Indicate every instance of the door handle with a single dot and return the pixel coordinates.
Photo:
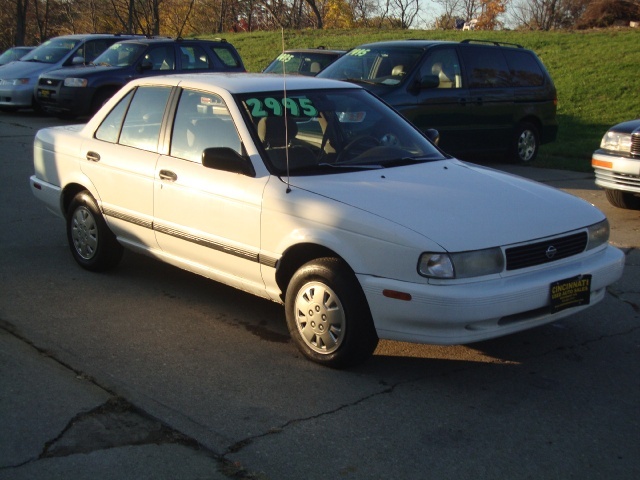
(93, 156)
(168, 175)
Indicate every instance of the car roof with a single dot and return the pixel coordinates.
(83, 36)
(151, 40)
(238, 83)
(314, 50)
(407, 43)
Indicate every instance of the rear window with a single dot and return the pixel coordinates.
(525, 69)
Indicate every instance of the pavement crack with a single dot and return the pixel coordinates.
(238, 446)
(116, 423)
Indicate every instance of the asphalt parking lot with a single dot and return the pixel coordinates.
(150, 372)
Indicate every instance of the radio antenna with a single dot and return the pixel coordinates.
(284, 104)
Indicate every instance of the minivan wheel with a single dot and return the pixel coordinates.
(526, 143)
(328, 316)
(92, 244)
(621, 199)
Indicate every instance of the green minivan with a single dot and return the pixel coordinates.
(484, 98)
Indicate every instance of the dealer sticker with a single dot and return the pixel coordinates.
(572, 292)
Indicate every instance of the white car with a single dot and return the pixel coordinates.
(617, 164)
(315, 194)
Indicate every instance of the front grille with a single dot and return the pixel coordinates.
(635, 144)
(546, 251)
(49, 82)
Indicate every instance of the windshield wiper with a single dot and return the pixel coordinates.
(361, 80)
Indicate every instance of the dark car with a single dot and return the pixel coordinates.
(483, 97)
(79, 91)
(14, 53)
(304, 61)
(18, 79)
(617, 164)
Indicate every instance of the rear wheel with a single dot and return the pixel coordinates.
(92, 244)
(328, 316)
(621, 199)
(526, 143)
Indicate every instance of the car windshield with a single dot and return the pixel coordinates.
(304, 63)
(384, 66)
(120, 55)
(51, 51)
(333, 131)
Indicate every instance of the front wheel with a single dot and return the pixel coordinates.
(526, 143)
(92, 244)
(328, 316)
(621, 199)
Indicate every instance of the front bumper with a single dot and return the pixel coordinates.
(471, 312)
(16, 96)
(73, 101)
(616, 172)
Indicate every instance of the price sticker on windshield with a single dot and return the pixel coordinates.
(275, 107)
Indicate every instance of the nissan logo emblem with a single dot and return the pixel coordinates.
(551, 252)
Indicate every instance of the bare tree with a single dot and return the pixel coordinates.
(405, 11)
(547, 14)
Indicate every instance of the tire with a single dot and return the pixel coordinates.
(526, 143)
(621, 199)
(93, 246)
(328, 316)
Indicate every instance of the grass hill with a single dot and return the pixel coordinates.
(596, 73)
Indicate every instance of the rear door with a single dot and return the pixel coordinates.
(121, 159)
(490, 99)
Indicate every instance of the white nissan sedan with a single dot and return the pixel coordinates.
(315, 194)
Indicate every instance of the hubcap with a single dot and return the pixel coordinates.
(320, 317)
(84, 233)
(526, 145)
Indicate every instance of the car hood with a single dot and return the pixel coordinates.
(458, 205)
(80, 71)
(630, 126)
(20, 69)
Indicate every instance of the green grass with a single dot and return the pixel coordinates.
(596, 73)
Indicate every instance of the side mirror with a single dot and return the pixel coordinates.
(430, 81)
(433, 135)
(226, 159)
(77, 61)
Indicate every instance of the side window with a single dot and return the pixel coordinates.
(486, 67)
(194, 58)
(202, 121)
(444, 64)
(109, 129)
(226, 56)
(141, 127)
(525, 69)
(94, 48)
(161, 58)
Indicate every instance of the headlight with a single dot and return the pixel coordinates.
(461, 265)
(14, 81)
(75, 82)
(598, 234)
(619, 142)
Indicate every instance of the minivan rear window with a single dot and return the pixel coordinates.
(525, 69)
